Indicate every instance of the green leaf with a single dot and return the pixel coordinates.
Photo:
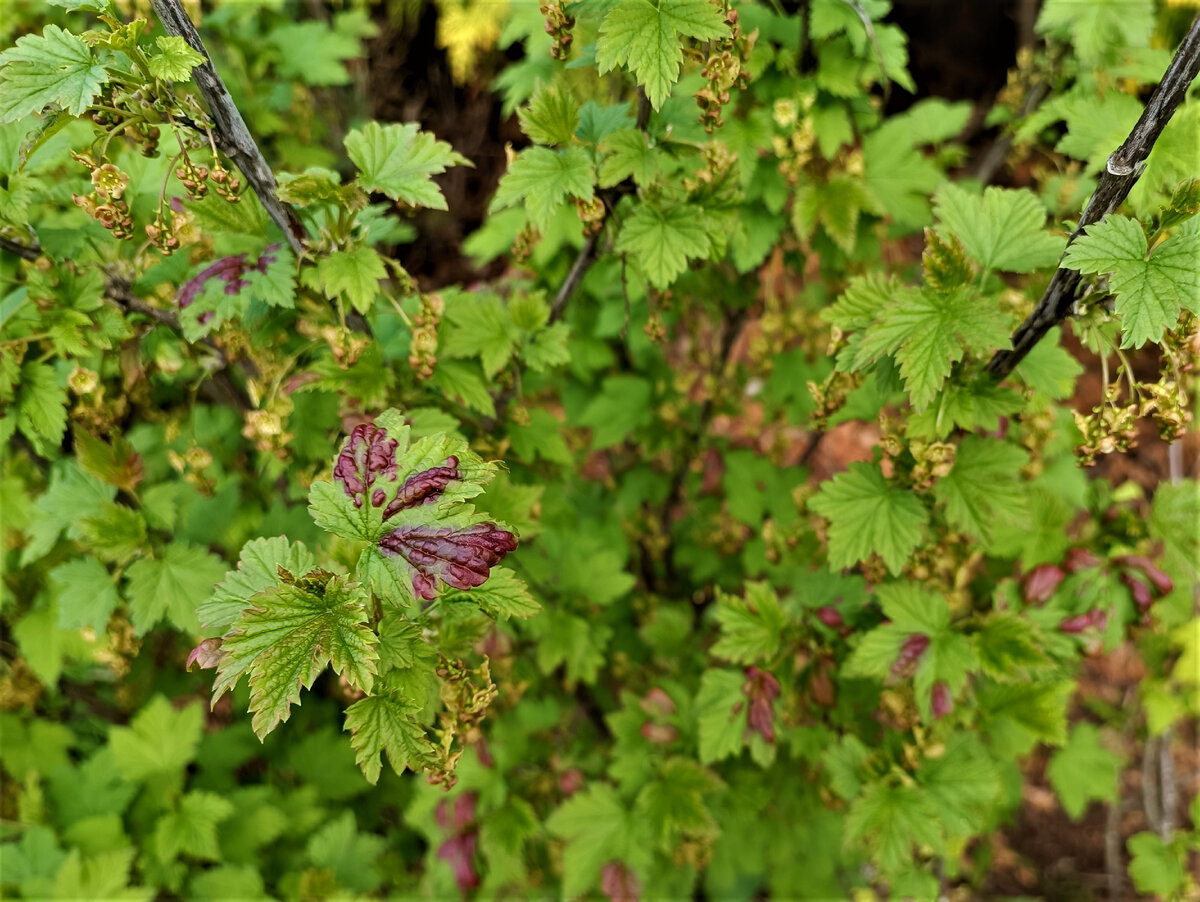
(1099, 26)
(462, 383)
(544, 179)
(171, 586)
(388, 724)
(898, 176)
(1016, 717)
(662, 240)
(158, 741)
(983, 486)
(1156, 869)
(86, 594)
(43, 407)
(288, 637)
(929, 332)
(598, 828)
(191, 829)
(353, 273)
(547, 349)
(504, 595)
(1150, 289)
(963, 782)
(889, 820)
(1049, 369)
(1009, 647)
(313, 53)
(55, 68)
(869, 515)
(481, 328)
(1004, 229)
(257, 570)
(628, 152)
(399, 160)
(751, 628)
(622, 405)
(350, 855)
(574, 641)
(644, 37)
(1173, 518)
(673, 803)
(1083, 771)
(722, 714)
(551, 117)
(174, 60)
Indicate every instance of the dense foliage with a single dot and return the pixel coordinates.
(531, 583)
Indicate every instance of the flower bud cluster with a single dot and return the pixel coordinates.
(422, 353)
(591, 214)
(527, 239)
(105, 203)
(794, 149)
(724, 69)
(193, 465)
(558, 26)
(1108, 428)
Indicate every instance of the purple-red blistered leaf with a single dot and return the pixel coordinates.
(460, 557)
(619, 883)
(761, 689)
(570, 781)
(1162, 583)
(457, 816)
(230, 270)
(1080, 559)
(1139, 590)
(1097, 618)
(459, 850)
(906, 662)
(424, 487)
(941, 701)
(1041, 582)
(830, 616)
(369, 455)
(206, 654)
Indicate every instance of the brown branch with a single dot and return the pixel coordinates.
(587, 256)
(120, 292)
(236, 141)
(1120, 174)
(24, 251)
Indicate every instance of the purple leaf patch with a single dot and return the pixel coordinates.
(368, 455)
(230, 270)
(460, 557)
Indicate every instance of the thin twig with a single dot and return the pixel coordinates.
(1150, 802)
(1120, 175)
(1113, 865)
(24, 251)
(644, 109)
(579, 269)
(238, 143)
(119, 291)
(991, 161)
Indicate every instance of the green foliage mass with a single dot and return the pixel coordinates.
(686, 546)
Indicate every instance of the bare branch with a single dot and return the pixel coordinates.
(1122, 172)
(24, 251)
(236, 140)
